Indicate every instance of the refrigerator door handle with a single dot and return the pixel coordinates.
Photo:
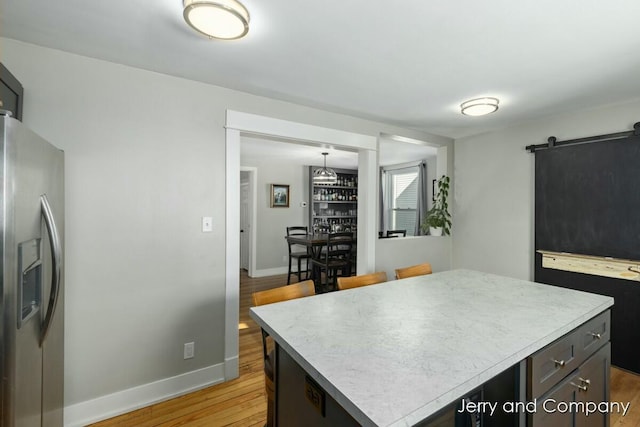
(56, 261)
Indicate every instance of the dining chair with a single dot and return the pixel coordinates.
(396, 233)
(414, 270)
(295, 253)
(362, 280)
(269, 296)
(336, 260)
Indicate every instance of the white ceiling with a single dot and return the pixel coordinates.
(408, 63)
(260, 150)
(391, 152)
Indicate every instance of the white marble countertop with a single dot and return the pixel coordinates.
(395, 353)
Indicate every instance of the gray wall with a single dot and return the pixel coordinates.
(431, 175)
(494, 187)
(144, 162)
(272, 222)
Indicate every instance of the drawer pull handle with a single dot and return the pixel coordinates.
(596, 336)
(560, 363)
(583, 381)
(580, 387)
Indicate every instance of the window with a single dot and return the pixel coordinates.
(400, 195)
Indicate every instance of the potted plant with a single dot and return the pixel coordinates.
(438, 219)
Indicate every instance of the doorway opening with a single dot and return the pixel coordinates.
(240, 124)
(285, 163)
(248, 188)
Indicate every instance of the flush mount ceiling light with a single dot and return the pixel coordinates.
(217, 19)
(479, 106)
(324, 176)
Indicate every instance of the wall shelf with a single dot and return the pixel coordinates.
(334, 207)
(589, 264)
(336, 201)
(335, 216)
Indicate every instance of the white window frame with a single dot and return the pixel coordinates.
(388, 197)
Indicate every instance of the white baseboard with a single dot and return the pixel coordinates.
(232, 368)
(270, 272)
(275, 271)
(111, 405)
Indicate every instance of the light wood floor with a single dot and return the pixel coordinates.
(625, 387)
(242, 402)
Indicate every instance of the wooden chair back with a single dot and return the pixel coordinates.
(298, 230)
(284, 293)
(362, 280)
(340, 244)
(414, 270)
(335, 259)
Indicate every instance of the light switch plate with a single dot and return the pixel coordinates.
(207, 224)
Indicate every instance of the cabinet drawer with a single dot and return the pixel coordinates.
(588, 383)
(552, 363)
(549, 365)
(593, 334)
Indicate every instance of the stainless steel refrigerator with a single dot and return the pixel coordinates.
(32, 286)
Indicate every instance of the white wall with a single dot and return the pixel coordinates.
(494, 187)
(406, 251)
(144, 162)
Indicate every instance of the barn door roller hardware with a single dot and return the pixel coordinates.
(553, 142)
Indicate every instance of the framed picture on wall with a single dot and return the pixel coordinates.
(279, 196)
(433, 190)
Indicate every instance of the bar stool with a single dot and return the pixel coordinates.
(282, 293)
(362, 280)
(297, 254)
(414, 270)
(335, 261)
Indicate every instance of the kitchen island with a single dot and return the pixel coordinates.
(401, 352)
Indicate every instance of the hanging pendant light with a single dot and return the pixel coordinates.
(324, 175)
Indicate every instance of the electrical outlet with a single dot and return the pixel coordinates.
(189, 350)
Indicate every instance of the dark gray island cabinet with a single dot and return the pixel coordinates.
(572, 371)
(454, 348)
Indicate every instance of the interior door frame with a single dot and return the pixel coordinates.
(240, 123)
(253, 217)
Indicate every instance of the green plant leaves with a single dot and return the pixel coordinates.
(438, 215)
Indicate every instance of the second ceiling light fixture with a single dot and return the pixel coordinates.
(479, 106)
